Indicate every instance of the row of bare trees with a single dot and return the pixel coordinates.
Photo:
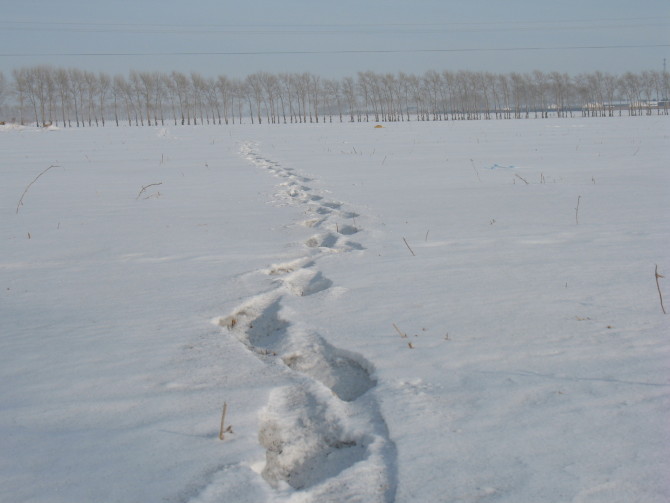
(72, 97)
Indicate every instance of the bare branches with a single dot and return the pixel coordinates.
(26, 190)
(64, 96)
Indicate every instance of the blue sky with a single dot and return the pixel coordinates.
(335, 38)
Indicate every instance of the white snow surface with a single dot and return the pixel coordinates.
(424, 312)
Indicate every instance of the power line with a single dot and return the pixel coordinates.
(330, 31)
(347, 28)
(348, 25)
(317, 52)
(325, 31)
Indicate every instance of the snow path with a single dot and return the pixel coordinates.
(324, 434)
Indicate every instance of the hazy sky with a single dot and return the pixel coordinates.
(335, 38)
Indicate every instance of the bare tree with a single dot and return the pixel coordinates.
(160, 95)
(78, 90)
(40, 87)
(240, 96)
(283, 97)
(124, 90)
(254, 87)
(144, 86)
(433, 83)
(117, 95)
(416, 100)
(26, 87)
(91, 91)
(647, 90)
(609, 88)
(541, 93)
(558, 84)
(49, 76)
(63, 90)
(167, 96)
(404, 94)
(20, 88)
(4, 91)
(349, 92)
(315, 93)
(630, 86)
(181, 86)
(390, 97)
(224, 86)
(331, 88)
(104, 84)
(364, 89)
(660, 86)
(199, 93)
(288, 95)
(301, 86)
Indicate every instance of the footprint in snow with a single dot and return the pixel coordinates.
(322, 241)
(342, 372)
(305, 282)
(347, 230)
(304, 443)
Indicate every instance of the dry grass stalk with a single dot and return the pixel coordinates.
(408, 247)
(26, 190)
(475, 168)
(229, 322)
(522, 178)
(223, 428)
(146, 187)
(660, 296)
(577, 210)
(402, 334)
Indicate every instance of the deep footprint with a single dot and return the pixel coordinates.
(259, 328)
(333, 368)
(334, 206)
(327, 241)
(347, 230)
(287, 267)
(306, 282)
(304, 444)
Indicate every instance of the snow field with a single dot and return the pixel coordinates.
(534, 366)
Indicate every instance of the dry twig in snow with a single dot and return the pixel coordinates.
(223, 429)
(408, 247)
(660, 296)
(146, 187)
(24, 192)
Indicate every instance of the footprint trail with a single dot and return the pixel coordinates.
(324, 434)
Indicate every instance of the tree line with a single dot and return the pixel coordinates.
(71, 97)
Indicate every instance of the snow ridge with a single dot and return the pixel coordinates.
(324, 435)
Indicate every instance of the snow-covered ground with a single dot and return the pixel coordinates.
(452, 311)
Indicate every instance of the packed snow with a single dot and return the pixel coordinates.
(428, 311)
